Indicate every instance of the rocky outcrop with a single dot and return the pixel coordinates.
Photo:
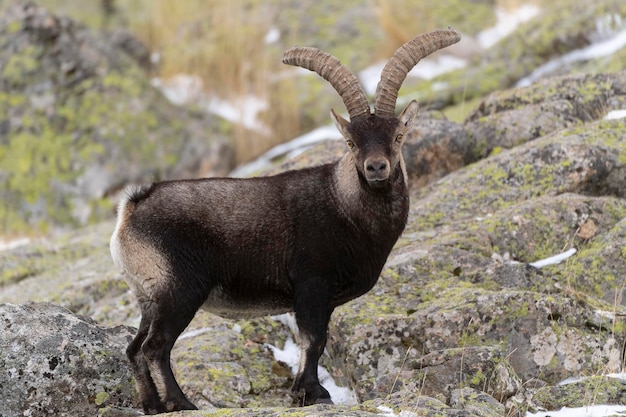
(462, 322)
(56, 363)
(510, 118)
(79, 119)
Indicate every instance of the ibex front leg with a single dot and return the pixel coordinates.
(312, 316)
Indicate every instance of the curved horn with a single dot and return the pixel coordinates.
(337, 74)
(403, 61)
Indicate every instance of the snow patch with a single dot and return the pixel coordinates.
(288, 150)
(243, 110)
(427, 69)
(507, 22)
(193, 333)
(431, 68)
(272, 36)
(12, 244)
(290, 355)
(553, 260)
(180, 89)
(615, 114)
(184, 89)
(388, 412)
(589, 411)
(605, 42)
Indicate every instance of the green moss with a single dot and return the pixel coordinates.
(101, 398)
(44, 154)
(21, 63)
(592, 390)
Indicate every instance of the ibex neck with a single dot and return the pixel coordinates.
(366, 207)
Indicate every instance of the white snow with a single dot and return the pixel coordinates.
(194, 333)
(288, 149)
(589, 411)
(244, 110)
(370, 76)
(553, 260)
(290, 355)
(184, 89)
(14, 243)
(615, 114)
(606, 42)
(428, 68)
(180, 89)
(508, 21)
(431, 68)
(272, 36)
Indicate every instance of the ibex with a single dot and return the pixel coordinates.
(305, 241)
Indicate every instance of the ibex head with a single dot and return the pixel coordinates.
(375, 139)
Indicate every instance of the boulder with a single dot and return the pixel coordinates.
(56, 363)
(79, 119)
(509, 118)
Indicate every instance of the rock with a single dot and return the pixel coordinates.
(476, 403)
(433, 149)
(512, 117)
(57, 363)
(66, 87)
(561, 28)
(74, 271)
(579, 393)
(462, 322)
(224, 364)
(583, 160)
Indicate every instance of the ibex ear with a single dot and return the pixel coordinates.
(409, 114)
(340, 123)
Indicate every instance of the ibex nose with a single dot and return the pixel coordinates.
(376, 170)
(376, 167)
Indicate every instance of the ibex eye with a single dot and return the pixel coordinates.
(399, 137)
(350, 144)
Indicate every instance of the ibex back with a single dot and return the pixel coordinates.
(305, 241)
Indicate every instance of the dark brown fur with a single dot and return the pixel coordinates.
(304, 241)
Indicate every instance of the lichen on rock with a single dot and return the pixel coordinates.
(74, 107)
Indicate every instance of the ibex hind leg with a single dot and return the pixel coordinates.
(146, 390)
(165, 322)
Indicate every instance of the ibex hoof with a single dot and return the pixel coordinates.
(324, 401)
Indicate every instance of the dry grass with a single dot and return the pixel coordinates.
(223, 43)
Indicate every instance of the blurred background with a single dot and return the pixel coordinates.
(97, 94)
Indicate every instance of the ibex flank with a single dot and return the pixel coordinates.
(304, 241)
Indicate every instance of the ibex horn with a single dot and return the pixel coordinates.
(337, 74)
(403, 61)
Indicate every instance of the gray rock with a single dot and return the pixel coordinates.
(476, 403)
(458, 314)
(433, 149)
(57, 363)
(506, 119)
(578, 393)
(79, 119)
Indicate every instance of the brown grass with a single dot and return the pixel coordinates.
(223, 43)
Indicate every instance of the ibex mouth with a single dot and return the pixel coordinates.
(377, 182)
